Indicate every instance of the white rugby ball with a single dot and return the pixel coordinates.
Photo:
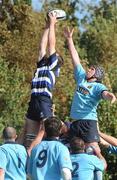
(60, 14)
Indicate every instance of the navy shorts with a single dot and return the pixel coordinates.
(85, 129)
(40, 107)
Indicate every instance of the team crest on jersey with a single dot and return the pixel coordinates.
(82, 90)
(89, 87)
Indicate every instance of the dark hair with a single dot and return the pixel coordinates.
(77, 145)
(52, 126)
(9, 133)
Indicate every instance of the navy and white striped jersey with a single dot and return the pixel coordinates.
(44, 77)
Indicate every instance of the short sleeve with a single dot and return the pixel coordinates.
(100, 88)
(64, 158)
(79, 73)
(52, 61)
(3, 159)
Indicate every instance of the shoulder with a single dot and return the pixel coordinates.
(100, 87)
(79, 70)
(61, 146)
(4, 147)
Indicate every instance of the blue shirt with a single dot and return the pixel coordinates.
(44, 77)
(47, 159)
(84, 166)
(13, 158)
(86, 97)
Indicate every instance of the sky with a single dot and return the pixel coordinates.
(37, 4)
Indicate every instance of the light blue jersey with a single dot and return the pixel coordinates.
(13, 158)
(84, 166)
(112, 149)
(86, 97)
(47, 159)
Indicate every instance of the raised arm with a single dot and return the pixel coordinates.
(44, 41)
(51, 35)
(109, 139)
(99, 155)
(74, 54)
(109, 96)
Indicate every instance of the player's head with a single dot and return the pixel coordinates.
(95, 71)
(65, 127)
(9, 133)
(52, 126)
(77, 145)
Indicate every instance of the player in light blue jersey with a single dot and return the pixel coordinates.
(89, 91)
(84, 165)
(50, 160)
(13, 157)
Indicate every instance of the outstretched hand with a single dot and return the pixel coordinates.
(52, 18)
(113, 98)
(68, 32)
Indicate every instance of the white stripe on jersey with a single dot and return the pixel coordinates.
(53, 64)
(40, 90)
(53, 76)
(40, 79)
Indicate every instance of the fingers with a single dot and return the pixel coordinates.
(50, 14)
(68, 32)
(113, 100)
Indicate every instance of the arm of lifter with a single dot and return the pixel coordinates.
(99, 155)
(2, 174)
(109, 139)
(66, 174)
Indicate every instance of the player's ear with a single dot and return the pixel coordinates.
(16, 136)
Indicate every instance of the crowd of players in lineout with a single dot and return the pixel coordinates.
(59, 150)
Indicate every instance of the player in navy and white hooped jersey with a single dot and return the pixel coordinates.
(48, 68)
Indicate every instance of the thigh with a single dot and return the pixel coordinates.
(34, 109)
(46, 107)
(85, 129)
(31, 131)
(32, 126)
(90, 132)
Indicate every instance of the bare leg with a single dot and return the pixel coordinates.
(38, 138)
(32, 128)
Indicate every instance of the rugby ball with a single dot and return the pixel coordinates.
(60, 14)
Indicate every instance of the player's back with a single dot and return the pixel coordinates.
(47, 159)
(13, 158)
(84, 166)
